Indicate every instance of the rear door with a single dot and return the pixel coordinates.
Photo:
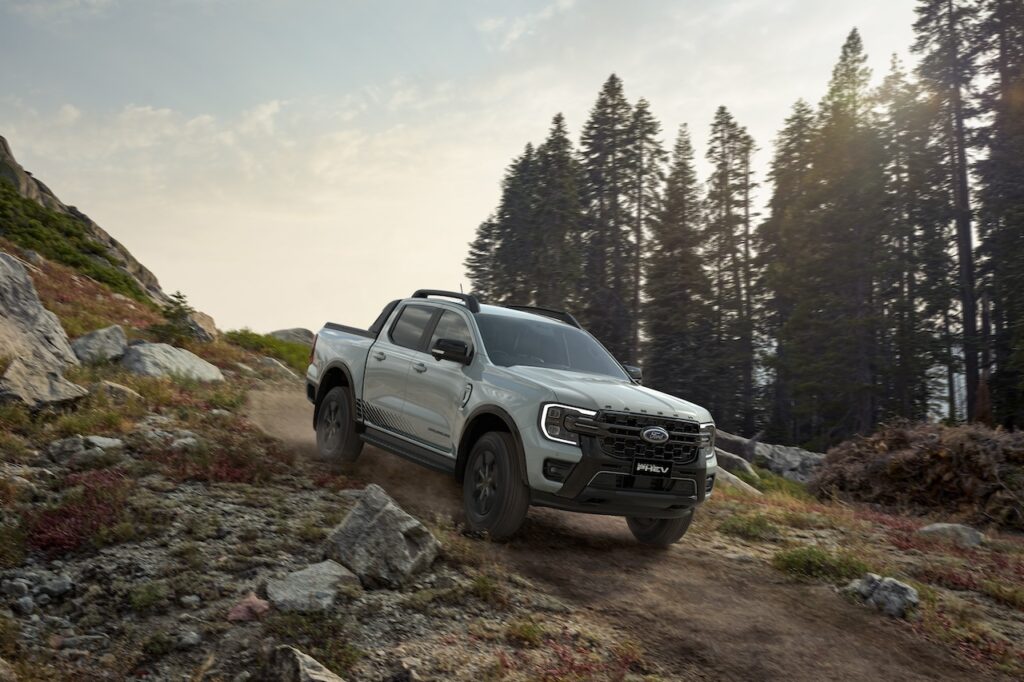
(436, 388)
(388, 366)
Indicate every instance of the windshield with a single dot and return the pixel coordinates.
(519, 341)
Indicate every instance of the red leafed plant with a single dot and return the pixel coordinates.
(94, 500)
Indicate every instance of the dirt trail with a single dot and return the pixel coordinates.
(698, 614)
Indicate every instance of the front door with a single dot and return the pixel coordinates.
(388, 366)
(436, 387)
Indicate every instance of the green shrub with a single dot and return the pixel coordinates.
(176, 329)
(324, 636)
(767, 482)
(295, 355)
(524, 632)
(814, 563)
(750, 527)
(12, 545)
(10, 633)
(148, 596)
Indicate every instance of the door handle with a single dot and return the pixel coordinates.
(380, 355)
(420, 367)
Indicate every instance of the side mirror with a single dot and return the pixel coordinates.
(451, 349)
(635, 373)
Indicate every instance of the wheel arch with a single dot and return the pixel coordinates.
(485, 419)
(335, 375)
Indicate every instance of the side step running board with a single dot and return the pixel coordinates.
(409, 451)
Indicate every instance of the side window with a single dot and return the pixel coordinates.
(452, 326)
(408, 328)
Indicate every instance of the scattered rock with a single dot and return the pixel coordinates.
(84, 642)
(118, 394)
(288, 664)
(33, 345)
(958, 534)
(888, 595)
(58, 587)
(295, 335)
(311, 589)
(104, 443)
(380, 542)
(188, 443)
(7, 672)
(61, 451)
(250, 607)
(102, 345)
(163, 360)
(733, 463)
(25, 605)
(188, 639)
(190, 601)
(723, 477)
(14, 588)
(93, 458)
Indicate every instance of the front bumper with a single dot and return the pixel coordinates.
(602, 484)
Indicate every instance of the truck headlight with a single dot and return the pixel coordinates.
(707, 440)
(556, 422)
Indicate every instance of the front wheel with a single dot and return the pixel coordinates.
(336, 436)
(659, 532)
(494, 495)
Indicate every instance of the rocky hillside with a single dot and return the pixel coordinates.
(63, 233)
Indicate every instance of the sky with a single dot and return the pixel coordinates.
(285, 163)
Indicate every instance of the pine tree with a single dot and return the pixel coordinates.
(778, 255)
(913, 288)
(677, 315)
(559, 218)
(604, 151)
(647, 174)
(947, 68)
(728, 245)
(480, 263)
(830, 332)
(1001, 224)
(517, 237)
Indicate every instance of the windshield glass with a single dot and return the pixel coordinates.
(518, 341)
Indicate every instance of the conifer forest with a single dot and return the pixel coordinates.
(875, 272)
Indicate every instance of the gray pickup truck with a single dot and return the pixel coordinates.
(521, 405)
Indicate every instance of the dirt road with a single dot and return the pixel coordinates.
(696, 613)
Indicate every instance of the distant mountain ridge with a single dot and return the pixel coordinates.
(107, 248)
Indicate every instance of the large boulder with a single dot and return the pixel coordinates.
(314, 588)
(288, 664)
(203, 328)
(163, 360)
(296, 335)
(102, 345)
(787, 461)
(956, 533)
(380, 542)
(888, 595)
(34, 350)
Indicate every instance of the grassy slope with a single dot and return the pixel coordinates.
(60, 238)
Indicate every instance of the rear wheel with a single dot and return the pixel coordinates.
(659, 532)
(494, 495)
(336, 436)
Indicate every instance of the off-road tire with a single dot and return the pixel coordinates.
(659, 532)
(336, 435)
(494, 495)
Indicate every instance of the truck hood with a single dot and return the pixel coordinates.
(599, 392)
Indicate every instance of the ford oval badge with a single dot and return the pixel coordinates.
(654, 435)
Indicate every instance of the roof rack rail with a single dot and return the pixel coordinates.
(468, 299)
(559, 315)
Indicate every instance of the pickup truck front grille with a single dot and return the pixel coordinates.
(619, 436)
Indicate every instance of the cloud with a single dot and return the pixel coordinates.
(46, 9)
(510, 30)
